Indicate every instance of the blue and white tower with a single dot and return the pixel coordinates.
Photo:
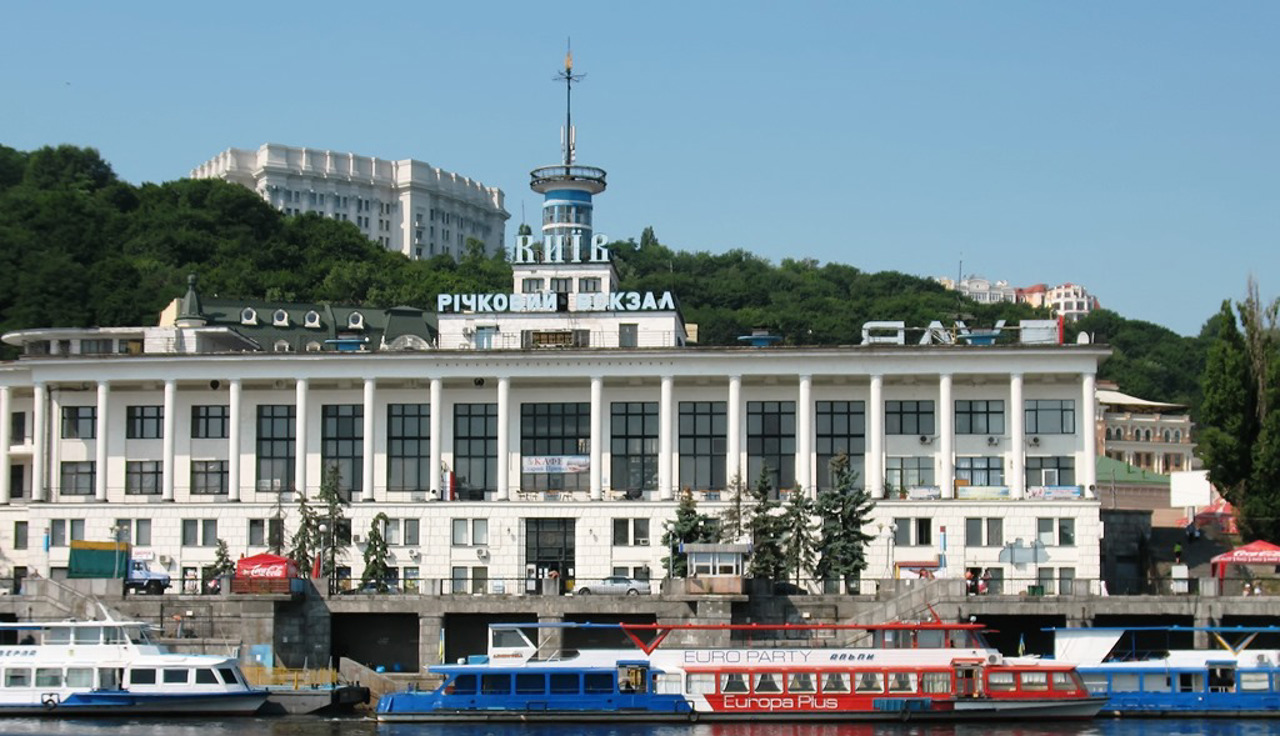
(567, 189)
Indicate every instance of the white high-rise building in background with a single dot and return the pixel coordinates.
(407, 206)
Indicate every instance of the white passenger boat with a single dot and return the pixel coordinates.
(73, 668)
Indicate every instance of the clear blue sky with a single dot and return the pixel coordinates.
(1131, 147)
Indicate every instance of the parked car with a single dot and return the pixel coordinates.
(613, 585)
(371, 588)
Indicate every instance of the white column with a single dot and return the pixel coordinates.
(170, 429)
(233, 442)
(947, 436)
(875, 428)
(504, 439)
(1017, 478)
(733, 445)
(6, 440)
(597, 436)
(39, 441)
(666, 418)
(1088, 475)
(300, 437)
(804, 440)
(437, 459)
(366, 465)
(100, 444)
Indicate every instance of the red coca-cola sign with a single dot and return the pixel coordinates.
(266, 566)
(274, 570)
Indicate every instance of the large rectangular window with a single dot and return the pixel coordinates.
(470, 532)
(771, 442)
(1050, 416)
(266, 532)
(143, 477)
(78, 478)
(18, 428)
(987, 532)
(342, 445)
(841, 429)
(703, 431)
(902, 473)
(276, 441)
(908, 417)
(1051, 471)
(79, 422)
(630, 532)
(979, 471)
(199, 532)
(980, 417)
(210, 422)
(208, 477)
(144, 422)
(134, 531)
(408, 447)
(555, 438)
(633, 438)
(475, 449)
(62, 531)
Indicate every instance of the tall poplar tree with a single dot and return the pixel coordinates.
(766, 528)
(843, 511)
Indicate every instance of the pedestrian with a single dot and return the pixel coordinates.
(1177, 553)
(1257, 588)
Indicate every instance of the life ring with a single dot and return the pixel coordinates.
(49, 701)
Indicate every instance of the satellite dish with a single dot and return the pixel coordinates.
(1083, 339)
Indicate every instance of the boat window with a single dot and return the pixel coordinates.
(870, 682)
(57, 635)
(1064, 682)
(1253, 682)
(109, 678)
(598, 682)
(999, 681)
(902, 682)
(800, 682)
(1151, 683)
(530, 684)
(205, 676)
(464, 685)
(229, 675)
(137, 635)
(669, 684)
(113, 635)
(1190, 682)
(509, 638)
(1097, 683)
(17, 677)
(931, 639)
(495, 684)
(79, 677)
(1222, 679)
(48, 677)
(88, 634)
(1034, 680)
(835, 682)
(768, 682)
(700, 683)
(142, 677)
(961, 639)
(896, 639)
(175, 676)
(564, 683)
(936, 682)
(733, 682)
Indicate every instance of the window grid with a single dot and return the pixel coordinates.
(79, 422)
(555, 429)
(1050, 416)
(343, 445)
(983, 416)
(633, 440)
(143, 477)
(208, 477)
(144, 422)
(475, 448)
(408, 447)
(276, 446)
(78, 478)
(841, 427)
(210, 422)
(771, 442)
(980, 471)
(703, 430)
(908, 417)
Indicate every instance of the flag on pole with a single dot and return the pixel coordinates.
(315, 568)
(1022, 644)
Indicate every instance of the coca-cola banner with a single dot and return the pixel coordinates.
(266, 566)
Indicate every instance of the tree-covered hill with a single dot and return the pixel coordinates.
(79, 248)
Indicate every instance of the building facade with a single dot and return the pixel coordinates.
(407, 206)
(1149, 435)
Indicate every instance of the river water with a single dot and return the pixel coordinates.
(311, 726)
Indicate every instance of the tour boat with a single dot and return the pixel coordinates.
(784, 672)
(74, 668)
(1156, 671)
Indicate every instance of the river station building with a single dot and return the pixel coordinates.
(550, 429)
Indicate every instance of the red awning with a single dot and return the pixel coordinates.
(1253, 553)
(1219, 513)
(266, 566)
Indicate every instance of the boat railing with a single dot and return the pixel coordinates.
(306, 678)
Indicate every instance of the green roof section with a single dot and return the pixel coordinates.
(1111, 470)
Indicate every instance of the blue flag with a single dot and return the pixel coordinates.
(1022, 644)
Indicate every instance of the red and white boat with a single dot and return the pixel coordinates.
(784, 672)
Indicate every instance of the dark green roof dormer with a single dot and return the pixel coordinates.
(189, 312)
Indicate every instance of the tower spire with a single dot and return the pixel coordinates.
(569, 142)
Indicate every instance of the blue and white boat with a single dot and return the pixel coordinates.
(1159, 671)
(113, 668)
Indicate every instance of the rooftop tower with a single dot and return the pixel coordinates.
(567, 188)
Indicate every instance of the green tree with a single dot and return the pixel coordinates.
(689, 526)
(1240, 416)
(733, 519)
(767, 528)
(305, 543)
(222, 563)
(843, 511)
(376, 569)
(799, 541)
(332, 512)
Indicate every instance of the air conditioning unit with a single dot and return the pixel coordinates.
(1035, 441)
(482, 553)
(993, 441)
(165, 559)
(925, 439)
(355, 538)
(415, 554)
(642, 542)
(993, 658)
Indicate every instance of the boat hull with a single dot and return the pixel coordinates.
(121, 703)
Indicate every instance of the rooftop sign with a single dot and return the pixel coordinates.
(560, 249)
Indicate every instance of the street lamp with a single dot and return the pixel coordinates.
(327, 532)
